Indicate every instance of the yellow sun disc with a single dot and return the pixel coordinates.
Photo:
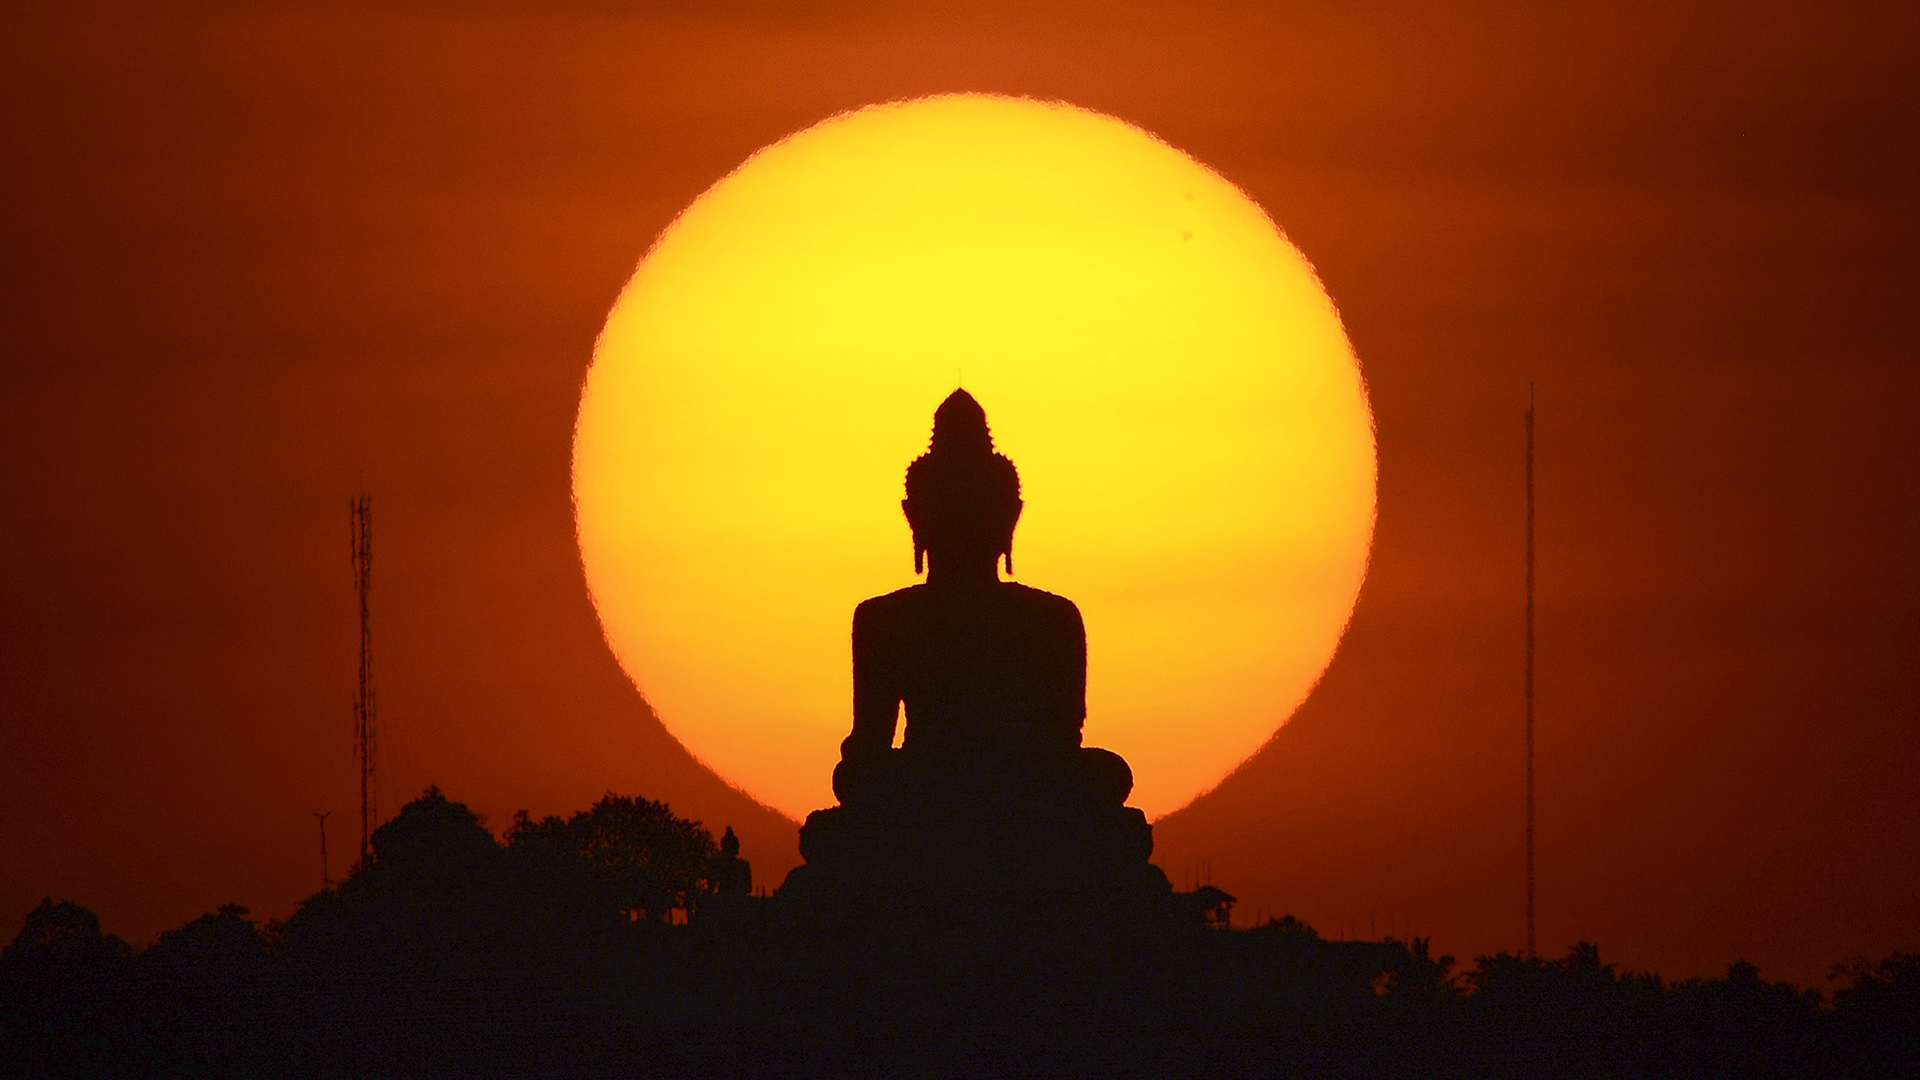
(1188, 418)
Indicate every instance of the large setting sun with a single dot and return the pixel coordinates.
(1163, 366)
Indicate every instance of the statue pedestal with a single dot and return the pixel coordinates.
(992, 851)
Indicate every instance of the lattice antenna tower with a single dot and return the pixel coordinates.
(365, 727)
(1529, 677)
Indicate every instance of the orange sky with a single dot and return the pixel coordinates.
(252, 255)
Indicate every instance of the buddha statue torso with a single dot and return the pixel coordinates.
(994, 671)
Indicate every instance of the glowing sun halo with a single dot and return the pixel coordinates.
(1188, 418)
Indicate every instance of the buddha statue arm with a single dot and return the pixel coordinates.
(876, 687)
(1073, 690)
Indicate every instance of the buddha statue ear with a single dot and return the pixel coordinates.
(1009, 554)
(919, 559)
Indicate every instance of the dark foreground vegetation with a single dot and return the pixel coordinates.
(622, 943)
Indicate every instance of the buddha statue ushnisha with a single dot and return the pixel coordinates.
(989, 787)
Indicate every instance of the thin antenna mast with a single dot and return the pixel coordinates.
(326, 873)
(1530, 937)
(364, 728)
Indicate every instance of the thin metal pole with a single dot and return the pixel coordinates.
(1530, 906)
(364, 727)
(326, 873)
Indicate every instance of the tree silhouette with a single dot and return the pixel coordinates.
(1877, 1016)
(453, 954)
(434, 891)
(65, 934)
(212, 947)
(65, 995)
(634, 854)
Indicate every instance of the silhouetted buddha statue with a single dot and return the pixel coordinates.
(989, 788)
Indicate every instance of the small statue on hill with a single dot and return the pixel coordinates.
(729, 874)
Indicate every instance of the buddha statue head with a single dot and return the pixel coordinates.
(963, 499)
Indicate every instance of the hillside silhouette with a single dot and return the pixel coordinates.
(616, 942)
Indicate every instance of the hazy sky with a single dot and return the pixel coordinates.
(257, 251)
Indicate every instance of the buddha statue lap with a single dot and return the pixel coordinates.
(989, 788)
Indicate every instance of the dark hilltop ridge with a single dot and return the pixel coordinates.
(625, 941)
(980, 903)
